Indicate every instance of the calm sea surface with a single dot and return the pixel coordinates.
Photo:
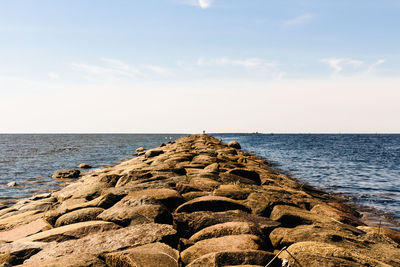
(364, 167)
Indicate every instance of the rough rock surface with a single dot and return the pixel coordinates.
(191, 202)
(66, 174)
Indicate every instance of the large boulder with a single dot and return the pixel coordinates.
(72, 173)
(247, 174)
(84, 166)
(290, 216)
(211, 203)
(17, 252)
(74, 260)
(232, 191)
(153, 153)
(339, 215)
(234, 144)
(71, 231)
(155, 254)
(248, 258)
(228, 228)
(169, 197)
(225, 243)
(136, 210)
(392, 234)
(110, 241)
(80, 215)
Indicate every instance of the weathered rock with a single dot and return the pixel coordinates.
(12, 184)
(66, 174)
(136, 210)
(321, 232)
(234, 144)
(155, 254)
(169, 197)
(140, 149)
(211, 203)
(74, 260)
(110, 241)
(228, 228)
(232, 191)
(317, 253)
(84, 166)
(192, 195)
(225, 243)
(212, 167)
(394, 235)
(247, 258)
(25, 230)
(20, 219)
(80, 215)
(341, 216)
(71, 231)
(291, 216)
(188, 224)
(153, 153)
(15, 253)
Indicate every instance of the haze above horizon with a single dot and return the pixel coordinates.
(166, 66)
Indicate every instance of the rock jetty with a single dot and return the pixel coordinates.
(192, 202)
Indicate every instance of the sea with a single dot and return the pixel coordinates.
(363, 168)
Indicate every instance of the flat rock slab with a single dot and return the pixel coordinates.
(225, 229)
(110, 241)
(236, 258)
(225, 243)
(155, 254)
(19, 219)
(81, 260)
(71, 231)
(25, 230)
(211, 203)
(169, 197)
(341, 216)
(190, 223)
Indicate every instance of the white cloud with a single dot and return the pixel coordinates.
(375, 64)
(338, 64)
(247, 62)
(53, 75)
(297, 20)
(204, 4)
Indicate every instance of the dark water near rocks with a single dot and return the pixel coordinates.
(364, 167)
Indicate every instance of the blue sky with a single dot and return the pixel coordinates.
(222, 65)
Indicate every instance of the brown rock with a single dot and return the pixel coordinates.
(212, 167)
(232, 191)
(394, 235)
(66, 174)
(291, 216)
(74, 260)
(84, 166)
(110, 241)
(341, 216)
(153, 153)
(169, 197)
(20, 219)
(234, 144)
(246, 258)
(155, 254)
(228, 228)
(136, 210)
(211, 203)
(25, 230)
(15, 253)
(80, 215)
(225, 243)
(71, 231)
(140, 149)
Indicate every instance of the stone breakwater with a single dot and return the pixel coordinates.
(192, 202)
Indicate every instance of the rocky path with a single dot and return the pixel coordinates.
(192, 202)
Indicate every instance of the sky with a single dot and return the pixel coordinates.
(184, 66)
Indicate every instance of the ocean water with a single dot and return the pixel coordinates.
(30, 159)
(365, 168)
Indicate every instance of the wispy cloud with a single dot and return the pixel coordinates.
(338, 65)
(297, 20)
(204, 4)
(159, 70)
(247, 62)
